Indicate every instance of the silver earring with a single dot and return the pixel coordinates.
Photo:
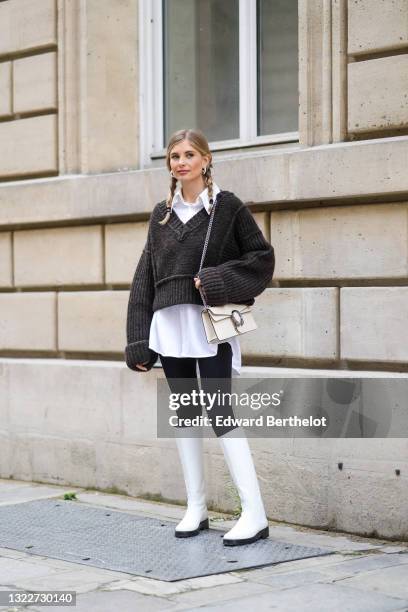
(204, 170)
(171, 173)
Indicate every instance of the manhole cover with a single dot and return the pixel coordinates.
(138, 545)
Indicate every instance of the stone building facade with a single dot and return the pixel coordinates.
(81, 167)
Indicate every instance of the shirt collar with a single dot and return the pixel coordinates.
(202, 197)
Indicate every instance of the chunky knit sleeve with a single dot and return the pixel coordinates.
(241, 280)
(140, 313)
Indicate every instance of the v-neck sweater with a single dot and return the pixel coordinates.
(239, 265)
(178, 331)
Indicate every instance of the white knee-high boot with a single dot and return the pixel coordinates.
(252, 524)
(192, 461)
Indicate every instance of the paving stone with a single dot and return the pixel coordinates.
(9, 553)
(13, 571)
(368, 563)
(335, 542)
(12, 491)
(151, 509)
(130, 504)
(78, 579)
(161, 588)
(218, 594)
(394, 549)
(292, 579)
(291, 566)
(391, 581)
(313, 598)
(103, 601)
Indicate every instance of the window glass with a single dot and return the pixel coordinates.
(277, 66)
(201, 67)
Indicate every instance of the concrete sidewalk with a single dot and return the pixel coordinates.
(363, 575)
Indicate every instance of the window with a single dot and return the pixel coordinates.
(228, 67)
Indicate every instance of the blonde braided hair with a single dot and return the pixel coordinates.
(197, 139)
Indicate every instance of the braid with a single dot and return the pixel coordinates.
(209, 182)
(169, 201)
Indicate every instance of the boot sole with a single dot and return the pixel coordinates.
(188, 534)
(262, 534)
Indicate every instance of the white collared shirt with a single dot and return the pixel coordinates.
(183, 208)
(178, 331)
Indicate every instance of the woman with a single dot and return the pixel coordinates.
(164, 315)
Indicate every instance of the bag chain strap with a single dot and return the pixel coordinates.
(205, 250)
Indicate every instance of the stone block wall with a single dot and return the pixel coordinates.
(338, 298)
(68, 90)
(378, 67)
(28, 88)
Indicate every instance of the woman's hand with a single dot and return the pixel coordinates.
(141, 366)
(197, 282)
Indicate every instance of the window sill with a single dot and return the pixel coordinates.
(258, 143)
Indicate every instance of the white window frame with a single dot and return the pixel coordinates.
(151, 85)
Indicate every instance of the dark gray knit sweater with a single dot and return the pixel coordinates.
(238, 266)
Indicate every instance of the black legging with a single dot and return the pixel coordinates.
(219, 367)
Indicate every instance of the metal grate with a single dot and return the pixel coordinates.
(115, 540)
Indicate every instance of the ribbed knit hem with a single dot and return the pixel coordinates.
(138, 352)
(177, 290)
(181, 290)
(213, 287)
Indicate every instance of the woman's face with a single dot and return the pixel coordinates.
(186, 162)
